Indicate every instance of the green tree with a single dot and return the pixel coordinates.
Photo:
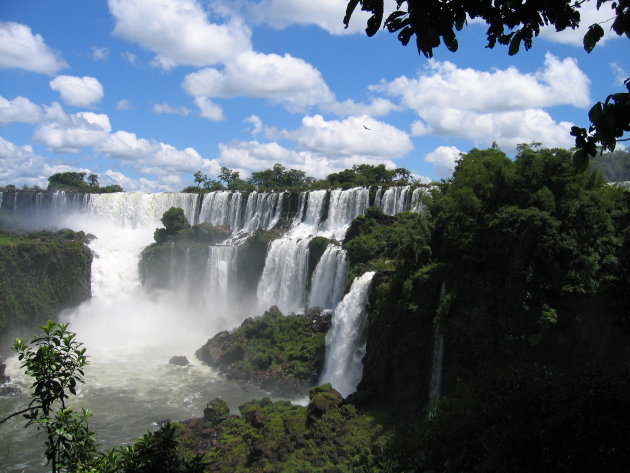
(173, 220)
(228, 176)
(511, 23)
(200, 178)
(93, 180)
(67, 181)
(56, 360)
(278, 177)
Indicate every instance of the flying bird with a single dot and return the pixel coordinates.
(367, 128)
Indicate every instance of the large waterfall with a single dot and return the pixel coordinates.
(131, 330)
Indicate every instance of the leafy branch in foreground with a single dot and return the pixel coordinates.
(56, 360)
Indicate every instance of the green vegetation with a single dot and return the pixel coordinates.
(369, 175)
(329, 435)
(41, 274)
(614, 166)
(56, 360)
(284, 353)
(279, 178)
(532, 258)
(75, 181)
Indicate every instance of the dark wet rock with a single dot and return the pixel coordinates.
(4, 378)
(179, 360)
(7, 390)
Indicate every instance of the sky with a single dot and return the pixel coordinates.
(145, 93)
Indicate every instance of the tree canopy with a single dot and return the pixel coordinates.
(511, 23)
(75, 181)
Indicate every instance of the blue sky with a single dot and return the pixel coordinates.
(146, 92)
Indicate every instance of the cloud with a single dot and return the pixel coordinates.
(20, 48)
(444, 158)
(356, 135)
(19, 110)
(257, 124)
(124, 104)
(283, 79)
(208, 109)
(559, 82)
(377, 107)
(154, 157)
(508, 129)
(257, 156)
(166, 108)
(129, 57)
(503, 105)
(78, 91)
(20, 165)
(619, 73)
(178, 32)
(100, 54)
(69, 133)
(326, 14)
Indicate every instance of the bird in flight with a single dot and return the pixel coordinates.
(367, 128)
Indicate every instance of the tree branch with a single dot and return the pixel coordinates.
(32, 408)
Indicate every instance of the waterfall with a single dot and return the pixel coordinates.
(345, 341)
(283, 281)
(437, 359)
(329, 278)
(394, 200)
(344, 207)
(308, 219)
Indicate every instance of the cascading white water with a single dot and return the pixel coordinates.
(394, 200)
(344, 207)
(329, 278)
(283, 281)
(218, 283)
(345, 341)
(309, 217)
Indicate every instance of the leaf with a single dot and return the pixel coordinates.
(352, 4)
(593, 35)
(515, 43)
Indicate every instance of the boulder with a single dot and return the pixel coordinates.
(179, 360)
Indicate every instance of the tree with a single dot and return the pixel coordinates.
(56, 360)
(67, 181)
(93, 180)
(200, 178)
(511, 23)
(228, 176)
(173, 220)
(278, 177)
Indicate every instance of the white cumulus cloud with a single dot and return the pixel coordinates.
(78, 91)
(20, 165)
(284, 79)
(19, 110)
(444, 159)
(20, 48)
(154, 157)
(178, 32)
(69, 133)
(167, 108)
(208, 109)
(353, 136)
(443, 84)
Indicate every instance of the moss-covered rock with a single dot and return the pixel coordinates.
(41, 274)
(278, 436)
(282, 353)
